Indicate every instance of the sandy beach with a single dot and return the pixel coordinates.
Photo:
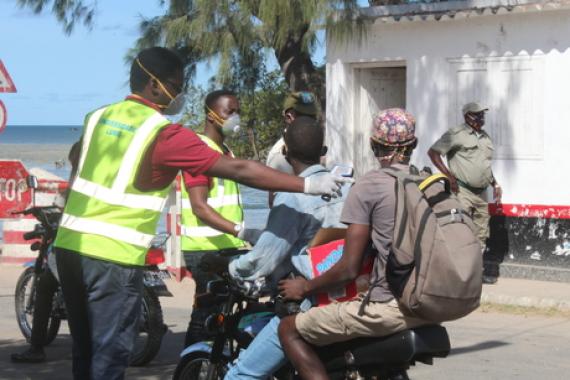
(39, 154)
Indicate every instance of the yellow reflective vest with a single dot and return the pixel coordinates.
(105, 216)
(224, 197)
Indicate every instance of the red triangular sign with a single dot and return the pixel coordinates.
(6, 83)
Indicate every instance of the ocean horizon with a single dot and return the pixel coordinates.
(41, 134)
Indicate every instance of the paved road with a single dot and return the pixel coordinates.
(485, 345)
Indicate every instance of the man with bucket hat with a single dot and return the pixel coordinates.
(469, 152)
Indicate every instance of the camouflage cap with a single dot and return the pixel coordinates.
(393, 127)
(303, 102)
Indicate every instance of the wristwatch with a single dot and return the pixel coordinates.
(237, 228)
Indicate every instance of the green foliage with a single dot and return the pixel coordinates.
(261, 113)
(67, 12)
(238, 34)
(261, 118)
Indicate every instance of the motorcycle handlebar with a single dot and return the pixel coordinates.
(33, 235)
(36, 210)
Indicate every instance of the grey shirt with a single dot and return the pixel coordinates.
(469, 155)
(372, 201)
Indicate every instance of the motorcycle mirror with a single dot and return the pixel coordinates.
(32, 181)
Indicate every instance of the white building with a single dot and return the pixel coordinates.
(513, 55)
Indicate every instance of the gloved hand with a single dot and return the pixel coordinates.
(326, 184)
(214, 263)
(251, 235)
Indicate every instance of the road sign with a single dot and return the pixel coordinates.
(3, 117)
(6, 83)
(14, 193)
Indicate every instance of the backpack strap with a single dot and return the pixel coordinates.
(433, 179)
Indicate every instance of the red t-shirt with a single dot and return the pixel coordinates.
(201, 179)
(175, 149)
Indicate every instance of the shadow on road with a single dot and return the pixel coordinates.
(478, 347)
(58, 363)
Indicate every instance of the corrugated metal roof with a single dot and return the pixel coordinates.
(439, 10)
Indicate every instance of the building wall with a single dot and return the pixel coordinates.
(517, 63)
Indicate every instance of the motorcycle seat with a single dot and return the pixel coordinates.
(399, 349)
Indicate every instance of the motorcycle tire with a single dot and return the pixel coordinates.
(24, 298)
(194, 366)
(151, 330)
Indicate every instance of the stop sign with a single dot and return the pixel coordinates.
(14, 193)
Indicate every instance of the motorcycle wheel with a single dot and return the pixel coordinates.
(24, 299)
(151, 330)
(194, 366)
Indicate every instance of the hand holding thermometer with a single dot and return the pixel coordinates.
(340, 170)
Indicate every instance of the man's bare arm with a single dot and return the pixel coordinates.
(255, 174)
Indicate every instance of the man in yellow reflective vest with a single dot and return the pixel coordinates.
(212, 215)
(130, 156)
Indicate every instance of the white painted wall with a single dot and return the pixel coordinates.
(517, 63)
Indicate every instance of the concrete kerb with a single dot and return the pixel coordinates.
(546, 295)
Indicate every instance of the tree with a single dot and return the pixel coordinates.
(228, 29)
(238, 33)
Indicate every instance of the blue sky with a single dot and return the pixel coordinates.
(60, 78)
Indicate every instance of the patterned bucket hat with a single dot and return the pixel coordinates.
(394, 127)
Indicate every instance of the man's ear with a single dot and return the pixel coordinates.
(324, 150)
(154, 87)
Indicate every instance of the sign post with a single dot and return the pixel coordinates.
(6, 85)
(14, 193)
(3, 117)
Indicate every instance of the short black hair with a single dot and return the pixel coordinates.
(213, 97)
(160, 62)
(304, 139)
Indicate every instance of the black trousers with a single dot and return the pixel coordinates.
(45, 289)
(103, 302)
(196, 332)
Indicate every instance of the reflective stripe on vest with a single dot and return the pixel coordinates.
(224, 198)
(106, 217)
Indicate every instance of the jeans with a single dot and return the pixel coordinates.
(103, 302)
(266, 345)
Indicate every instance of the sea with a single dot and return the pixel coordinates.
(254, 201)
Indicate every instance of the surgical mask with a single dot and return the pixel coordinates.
(230, 126)
(176, 105)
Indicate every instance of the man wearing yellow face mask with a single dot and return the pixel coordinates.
(130, 156)
(212, 214)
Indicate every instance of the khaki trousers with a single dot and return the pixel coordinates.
(341, 321)
(478, 208)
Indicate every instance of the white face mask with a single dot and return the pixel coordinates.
(231, 125)
(176, 105)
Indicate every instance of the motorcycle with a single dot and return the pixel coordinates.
(384, 358)
(151, 325)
